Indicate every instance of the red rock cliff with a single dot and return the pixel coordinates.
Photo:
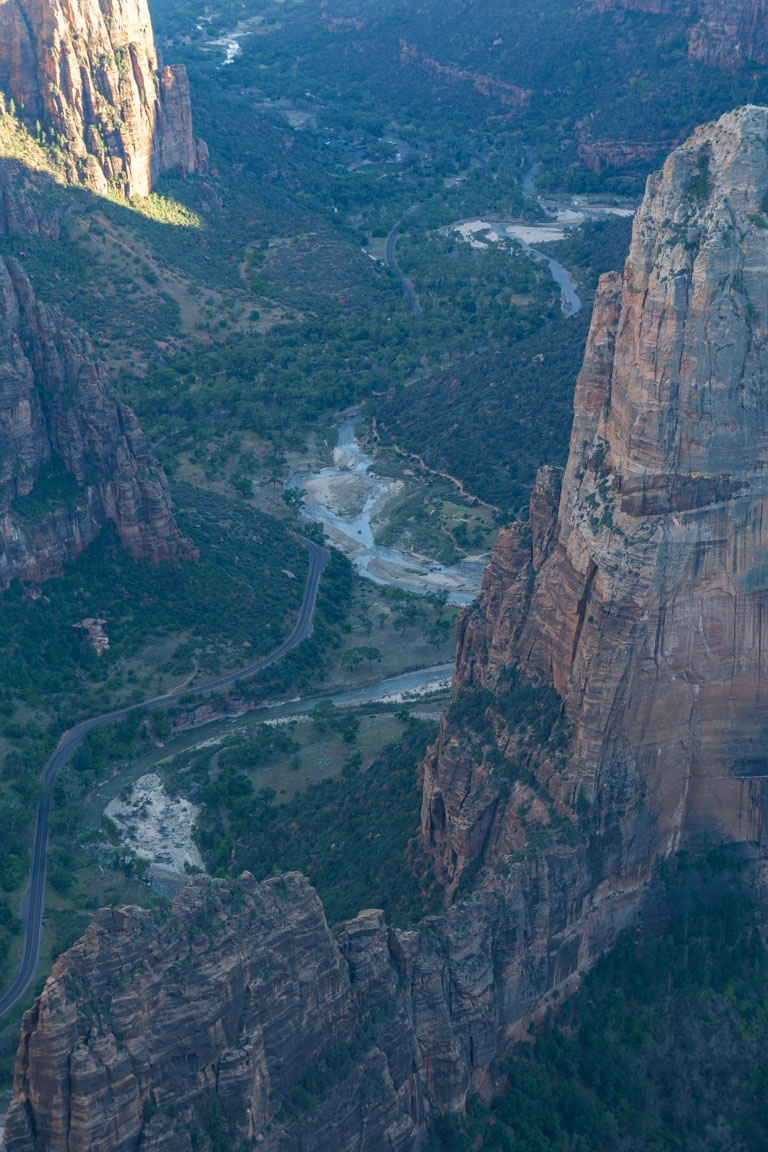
(62, 427)
(646, 605)
(89, 70)
(722, 33)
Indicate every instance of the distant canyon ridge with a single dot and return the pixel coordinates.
(722, 33)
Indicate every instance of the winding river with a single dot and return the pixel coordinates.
(347, 496)
(410, 687)
(560, 217)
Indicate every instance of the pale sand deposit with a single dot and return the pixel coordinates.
(157, 827)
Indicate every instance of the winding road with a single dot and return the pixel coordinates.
(391, 259)
(34, 898)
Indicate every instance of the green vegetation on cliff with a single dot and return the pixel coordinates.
(661, 1049)
(350, 835)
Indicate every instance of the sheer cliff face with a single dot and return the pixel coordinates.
(89, 69)
(639, 589)
(722, 33)
(65, 438)
(647, 604)
(239, 1014)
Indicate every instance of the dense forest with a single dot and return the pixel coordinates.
(661, 1049)
(349, 835)
(495, 417)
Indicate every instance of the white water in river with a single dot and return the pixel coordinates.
(232, 47)
(344, 499)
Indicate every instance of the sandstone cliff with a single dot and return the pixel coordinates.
(721, 33)
(153, 1030)
(239, 1015)
(72, 456)
(609, 705)
(88, 69)
(645, 603)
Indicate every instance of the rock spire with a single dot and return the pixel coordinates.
(89, 70)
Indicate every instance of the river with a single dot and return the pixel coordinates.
(561, 215)
(345, 498)
(410, 687)
(161, 827)
(230, 42)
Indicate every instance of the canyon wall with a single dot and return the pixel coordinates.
(238, 1014)
(645, 600)
(72, 456)
(722, 33)
(609, 706)
(88, 70)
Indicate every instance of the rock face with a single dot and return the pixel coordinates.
(722, 33)
(72, 457)
(242, 1016)
(89, 70)
(609, 706)
(210, 1021)
(730, 34)
(17, 217)
(645, 602)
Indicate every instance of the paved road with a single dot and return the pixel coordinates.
(34, 898)
(391, 259)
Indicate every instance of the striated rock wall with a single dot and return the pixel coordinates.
(730, 33)
(153, 1030)
(240, 1014)
(89, 70)
(646, 607)
(65, 438)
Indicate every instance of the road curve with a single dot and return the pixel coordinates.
(34, 898)
(391, 259)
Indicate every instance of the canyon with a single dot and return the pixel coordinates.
(89, 75)
(609, 708)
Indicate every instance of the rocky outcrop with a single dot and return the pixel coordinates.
(238, 1014)
(88, 70)
(500, 90)
(156, 1029)
(598, 154)
(721, 33)
(72, 457)
(17, 216)
(647, 608)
